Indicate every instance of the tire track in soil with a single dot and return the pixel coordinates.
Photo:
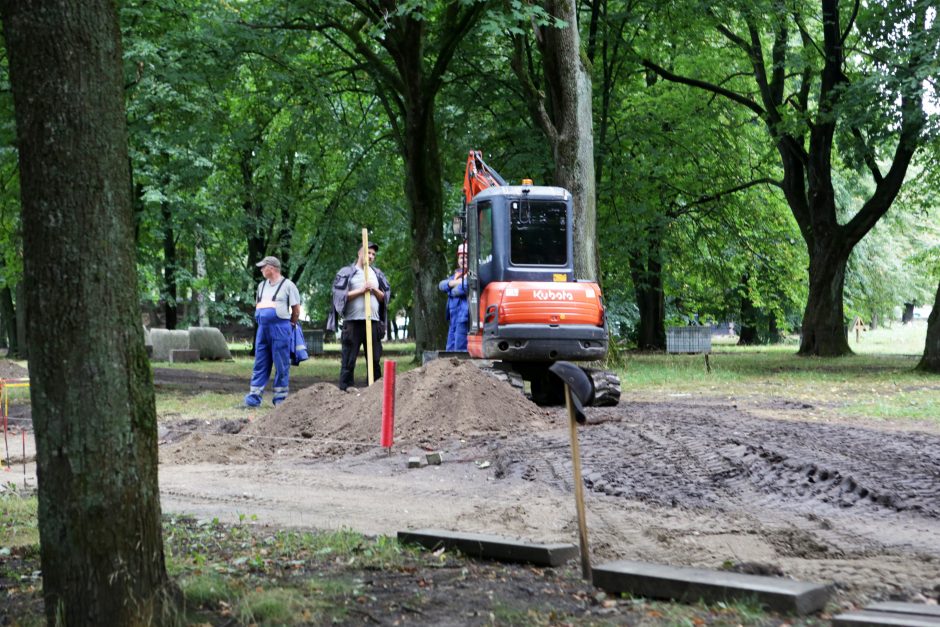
(882, 487)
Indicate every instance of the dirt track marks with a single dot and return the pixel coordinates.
(719, 457)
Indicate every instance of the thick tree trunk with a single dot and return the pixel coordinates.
(91, 389)
(569, 83)
(648, 287)
(425, 197)
(930, 362)
(824, 332)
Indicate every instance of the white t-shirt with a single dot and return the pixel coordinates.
(287, 296)
(356, 307)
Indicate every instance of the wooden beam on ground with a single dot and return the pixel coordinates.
(698, 584)
(491, 547)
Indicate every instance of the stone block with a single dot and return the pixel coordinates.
(491, 547)
(435, 459)
(891, 613)
(165, 340)
(414, 462)
(698, 584)
(210, 343)
(184, 356)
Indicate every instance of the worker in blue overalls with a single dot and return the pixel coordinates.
(277, 308)
(458, 310)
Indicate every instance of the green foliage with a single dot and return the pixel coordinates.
(248, 139)
(11, 249)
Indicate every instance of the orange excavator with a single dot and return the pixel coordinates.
(527, 307)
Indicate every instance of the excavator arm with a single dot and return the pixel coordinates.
(479, 176)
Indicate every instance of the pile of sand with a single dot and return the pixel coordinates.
(444, 401)
(11, 370)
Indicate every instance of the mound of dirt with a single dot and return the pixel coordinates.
(11, 370)
(443, 401)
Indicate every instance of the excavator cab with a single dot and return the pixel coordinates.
(527, 307)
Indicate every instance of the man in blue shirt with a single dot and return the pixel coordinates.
(458, 309)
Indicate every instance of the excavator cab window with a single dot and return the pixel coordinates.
(539, 233)
(486, 232)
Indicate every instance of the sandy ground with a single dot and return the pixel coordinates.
(705, 482)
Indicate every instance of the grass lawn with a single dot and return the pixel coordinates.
(877, 382)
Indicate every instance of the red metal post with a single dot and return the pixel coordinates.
(388, 404)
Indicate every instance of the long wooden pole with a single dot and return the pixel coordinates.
(578, 487)
(368, 297)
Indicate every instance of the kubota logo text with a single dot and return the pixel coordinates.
(552, 295)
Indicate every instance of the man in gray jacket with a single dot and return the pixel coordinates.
(350, 289)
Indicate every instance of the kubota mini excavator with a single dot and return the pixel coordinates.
(527, 308)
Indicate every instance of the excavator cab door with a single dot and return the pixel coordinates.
(480, 258)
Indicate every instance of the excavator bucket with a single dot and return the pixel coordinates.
(582, 390)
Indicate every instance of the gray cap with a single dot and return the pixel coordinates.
(274, 262)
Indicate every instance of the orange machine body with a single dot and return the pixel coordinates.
(538, 321)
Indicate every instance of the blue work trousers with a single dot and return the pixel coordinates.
(457, 332)
(272, 347)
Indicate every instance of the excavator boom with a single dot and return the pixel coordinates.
(479, 176)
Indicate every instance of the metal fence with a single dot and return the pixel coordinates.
(689, 339)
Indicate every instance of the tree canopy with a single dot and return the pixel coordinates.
(744, 153)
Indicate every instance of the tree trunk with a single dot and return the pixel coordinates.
(425, 197)
(648, 286)
(930, 362)
(8, 320)
(748, 334)
(169, 268)
(907, 316)
(201, 293)
(824, 332)
(91, 388)
(254, 216)
(22, 340)
(773, 331)
(569, 83)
